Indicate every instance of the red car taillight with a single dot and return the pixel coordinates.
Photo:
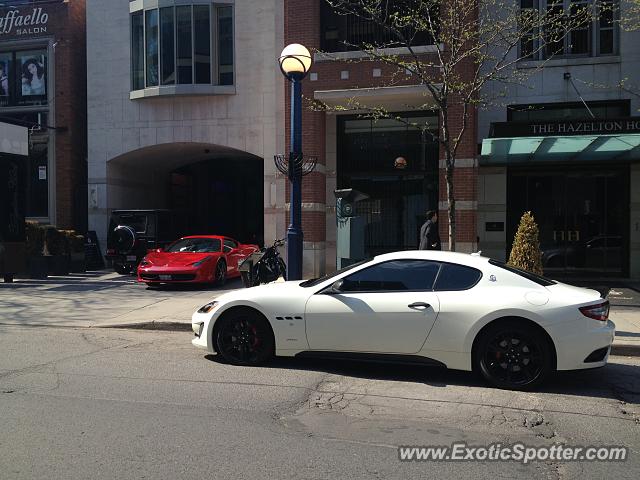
(111, 251)
(597, 312)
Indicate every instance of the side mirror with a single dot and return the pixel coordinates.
(336, 287)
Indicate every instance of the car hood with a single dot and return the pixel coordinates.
(268, 290)
(166, 259)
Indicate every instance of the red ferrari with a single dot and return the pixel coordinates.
(195, 259)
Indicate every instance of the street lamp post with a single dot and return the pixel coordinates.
(295, 61)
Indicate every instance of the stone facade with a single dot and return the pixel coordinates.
(247, 118)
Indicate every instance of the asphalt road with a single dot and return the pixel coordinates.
(107, 403)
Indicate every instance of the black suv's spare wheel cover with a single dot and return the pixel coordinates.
(125, 237)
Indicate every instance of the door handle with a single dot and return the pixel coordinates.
(419, 305)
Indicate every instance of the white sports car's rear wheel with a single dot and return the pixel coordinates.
(513, 355)
(244, 338)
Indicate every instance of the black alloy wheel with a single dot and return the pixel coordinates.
(220, 275)
(244, 338)
(513, 356)
(124, 238)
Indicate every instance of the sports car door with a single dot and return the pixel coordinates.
(387, 308)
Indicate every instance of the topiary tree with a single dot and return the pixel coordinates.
(525, 253)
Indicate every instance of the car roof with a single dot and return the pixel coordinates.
(218, 237)
(471, 260)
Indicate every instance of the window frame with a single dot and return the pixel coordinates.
(232, 242)
(532, 277)
(435, 279)
(435, 282)
(439, 264)
(213, 86)
(593, 27)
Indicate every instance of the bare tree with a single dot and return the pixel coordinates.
(473, 43)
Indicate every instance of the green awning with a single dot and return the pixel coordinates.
(502, 151)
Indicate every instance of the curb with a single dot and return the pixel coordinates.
(625, 350)
(165, 326)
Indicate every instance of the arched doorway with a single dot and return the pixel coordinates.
(218, 189)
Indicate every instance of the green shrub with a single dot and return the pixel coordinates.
(525, 253)
(34, 238)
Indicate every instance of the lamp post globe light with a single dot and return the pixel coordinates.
(295, 62)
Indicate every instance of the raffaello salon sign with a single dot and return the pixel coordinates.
(23, 22)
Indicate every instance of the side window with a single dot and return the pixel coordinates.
(229, 245)
(397, 275)
(456, 277)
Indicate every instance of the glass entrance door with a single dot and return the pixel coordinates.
(581, 215)
(395, 162)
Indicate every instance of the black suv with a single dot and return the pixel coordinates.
(132, 233)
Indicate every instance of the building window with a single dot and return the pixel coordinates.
(596, 36)
(185, 45)
(137, 51)
(151, 46)
(202, 43)
(182, 45)
(23, 78)
(341, 33)
(225, 46)
(167, 46)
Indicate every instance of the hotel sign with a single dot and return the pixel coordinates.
(23, 22)
(571, 127)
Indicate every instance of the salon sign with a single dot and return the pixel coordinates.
(21, 22)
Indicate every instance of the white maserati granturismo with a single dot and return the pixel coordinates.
(462, 311)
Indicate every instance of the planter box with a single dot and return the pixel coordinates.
(38, 267)
(78, 263)
(59, 265)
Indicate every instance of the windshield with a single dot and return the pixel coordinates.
(195, 245)
(316, 281)
(539, 279)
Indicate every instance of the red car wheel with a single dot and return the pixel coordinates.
(220, 272)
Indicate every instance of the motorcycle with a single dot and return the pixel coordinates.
(264, 266)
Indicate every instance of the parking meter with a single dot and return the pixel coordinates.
(349, 227)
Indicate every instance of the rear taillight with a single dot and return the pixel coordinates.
(599, 311)
(111, 251)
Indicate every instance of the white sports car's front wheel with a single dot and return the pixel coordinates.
(513, 355)
(244, 337)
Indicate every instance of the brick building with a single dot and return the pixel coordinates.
(43, 87)
(358, 153)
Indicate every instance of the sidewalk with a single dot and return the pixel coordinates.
(101, 299)
(106, 299)
(627, 320)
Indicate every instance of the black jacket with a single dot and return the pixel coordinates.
(429, 236)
